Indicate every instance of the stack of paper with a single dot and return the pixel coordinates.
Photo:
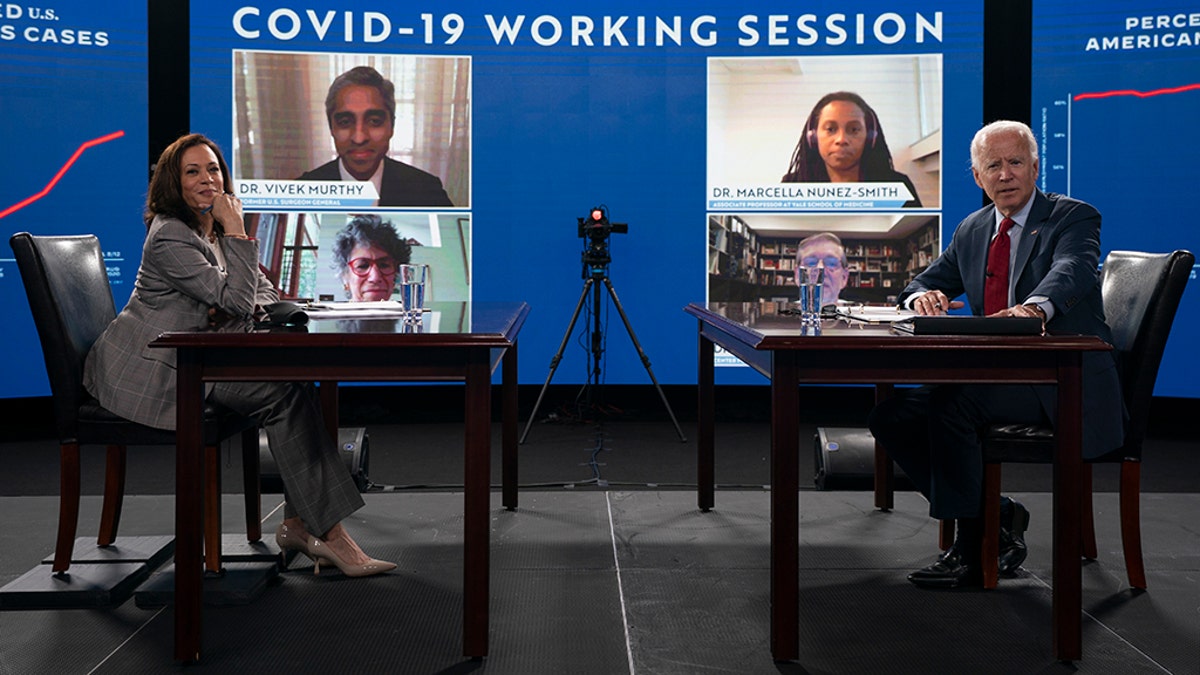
(875, 314)
(354, 310)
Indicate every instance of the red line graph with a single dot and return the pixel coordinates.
(1139, 94)
(61, 172)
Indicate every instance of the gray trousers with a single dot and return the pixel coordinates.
(317, 485)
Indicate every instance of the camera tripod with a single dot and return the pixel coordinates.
(598, 274)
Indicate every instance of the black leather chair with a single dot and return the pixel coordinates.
(68, 290)
(1141, 294)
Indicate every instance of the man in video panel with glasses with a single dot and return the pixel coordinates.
(824, 249)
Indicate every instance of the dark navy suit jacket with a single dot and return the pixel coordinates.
(403, 185)
(1057, 257)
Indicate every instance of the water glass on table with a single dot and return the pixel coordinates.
(412, 280)
(810, 280)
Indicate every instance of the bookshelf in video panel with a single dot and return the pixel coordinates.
(733, 267)
(878, 268)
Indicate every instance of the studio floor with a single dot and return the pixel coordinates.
(616, 574)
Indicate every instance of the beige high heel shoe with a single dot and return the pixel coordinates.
(319, 550)
(290, 539)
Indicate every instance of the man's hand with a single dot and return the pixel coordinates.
(933, 303)
(1022, 310)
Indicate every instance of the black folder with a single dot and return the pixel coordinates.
(956, 324)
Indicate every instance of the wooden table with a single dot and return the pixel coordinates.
(838, 352)
(458, 342)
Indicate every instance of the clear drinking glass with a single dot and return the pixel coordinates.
(412, 279)
(810, 280)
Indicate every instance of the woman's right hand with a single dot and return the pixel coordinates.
(218, 317)
(227, 210)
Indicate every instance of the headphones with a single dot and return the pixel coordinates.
(810, 134)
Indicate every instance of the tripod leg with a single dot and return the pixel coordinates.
(558, 356)
(645, 359)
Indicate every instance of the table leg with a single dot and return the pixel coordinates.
(476, 502)
(189, 503)
(785, 507)
(885, 471)
(508, 436)
(705, 450)
(250, 475)
(212, 512)
(1067, 602)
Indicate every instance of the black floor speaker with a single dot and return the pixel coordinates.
(353, 446)
(845, 460)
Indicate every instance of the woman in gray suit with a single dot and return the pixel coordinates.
(198, 269)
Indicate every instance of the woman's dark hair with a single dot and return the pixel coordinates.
(368, 230)
(807, 165)
(165, 196)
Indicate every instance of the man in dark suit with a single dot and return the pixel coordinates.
(1027, 254)
(361, 110)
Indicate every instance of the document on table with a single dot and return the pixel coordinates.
(354, 310)
(868, 314)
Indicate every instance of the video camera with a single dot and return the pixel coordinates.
(597, 227)
(594, 230)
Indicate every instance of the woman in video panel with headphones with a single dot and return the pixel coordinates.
(843, 142)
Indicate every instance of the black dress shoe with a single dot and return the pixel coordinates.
(1014, 520)
(954, 569)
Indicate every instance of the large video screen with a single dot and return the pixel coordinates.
(684, 121)
(823, 161)
(73, 125)
(1104, 75)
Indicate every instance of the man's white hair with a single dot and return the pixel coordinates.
(985, 135)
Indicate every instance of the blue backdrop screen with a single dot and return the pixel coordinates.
(679, 118)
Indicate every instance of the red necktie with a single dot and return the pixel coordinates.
(995, 288)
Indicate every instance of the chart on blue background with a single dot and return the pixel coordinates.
(73, 131)
(1116, 90)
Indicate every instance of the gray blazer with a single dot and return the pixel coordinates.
(177, 283)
